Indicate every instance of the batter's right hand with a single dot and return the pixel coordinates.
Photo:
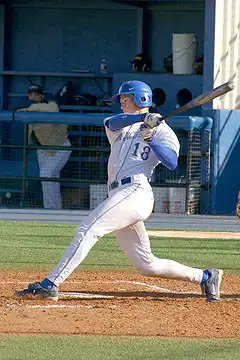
(152, 120)
(147, 133)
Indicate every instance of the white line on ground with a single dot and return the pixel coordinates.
(152, 287)
(13, 282)
(78, 295)
(82, 295)
(60, 306)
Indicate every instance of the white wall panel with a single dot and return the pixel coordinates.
(226, 51)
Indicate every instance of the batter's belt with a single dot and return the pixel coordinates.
(116, 183)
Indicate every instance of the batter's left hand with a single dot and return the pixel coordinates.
(152, 120)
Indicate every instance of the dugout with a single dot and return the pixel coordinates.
(84, 178)
(51, 42)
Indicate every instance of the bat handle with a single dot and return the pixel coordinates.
(231, 84)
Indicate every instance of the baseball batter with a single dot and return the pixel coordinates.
(139, 142)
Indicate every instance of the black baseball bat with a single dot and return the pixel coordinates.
(203, 98)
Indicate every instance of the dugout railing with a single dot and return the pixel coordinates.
(84, 177)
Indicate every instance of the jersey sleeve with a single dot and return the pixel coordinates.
(51, 106)
(111, 135)
(106, 120)
(166, 136)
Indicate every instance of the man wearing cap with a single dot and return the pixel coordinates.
(50, 162)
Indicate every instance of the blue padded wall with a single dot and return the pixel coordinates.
(2, 53)
(225, 163)
(69, 39)
(55, 39)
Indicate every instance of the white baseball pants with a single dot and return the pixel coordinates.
(50, 166)
(123, 212)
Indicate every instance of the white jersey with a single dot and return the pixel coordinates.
(131, 155)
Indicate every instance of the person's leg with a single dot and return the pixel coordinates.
(51, 195)
(50, 166)
(59, 160)
(47, 189)
(116, 212)
(135, 243)
(123, 208)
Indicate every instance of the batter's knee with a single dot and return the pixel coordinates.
(147, 269)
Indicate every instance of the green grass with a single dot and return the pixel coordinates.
(28, 245)
(115, 348)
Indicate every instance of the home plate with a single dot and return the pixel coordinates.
(78, 295)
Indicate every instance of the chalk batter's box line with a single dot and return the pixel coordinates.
(77, 295)
(59, 306)
(145, 285)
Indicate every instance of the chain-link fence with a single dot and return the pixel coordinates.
(182, 190)
(74, 176)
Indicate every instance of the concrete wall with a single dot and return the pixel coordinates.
(227, 51)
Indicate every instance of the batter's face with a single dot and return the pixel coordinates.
(128, 105)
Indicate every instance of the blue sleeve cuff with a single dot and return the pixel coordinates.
(120, 121)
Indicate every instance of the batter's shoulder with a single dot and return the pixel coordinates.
(106, 120)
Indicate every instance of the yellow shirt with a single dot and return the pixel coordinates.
(48, 134)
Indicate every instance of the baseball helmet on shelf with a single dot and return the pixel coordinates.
(142, 93)
(168, 63)
(84, 99)
(142, 63)
(65, 94)
(199, 65)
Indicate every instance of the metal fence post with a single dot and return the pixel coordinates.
(24, 169)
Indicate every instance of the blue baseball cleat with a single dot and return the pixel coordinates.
(36, 290)
(211, 288)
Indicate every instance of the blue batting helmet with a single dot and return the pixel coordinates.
(141, 91)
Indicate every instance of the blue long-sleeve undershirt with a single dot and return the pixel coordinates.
(119, 121)
(167, 156)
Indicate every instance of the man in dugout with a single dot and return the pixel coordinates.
(50, 161)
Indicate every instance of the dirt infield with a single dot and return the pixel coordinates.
(135, 305)
(195, 234)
